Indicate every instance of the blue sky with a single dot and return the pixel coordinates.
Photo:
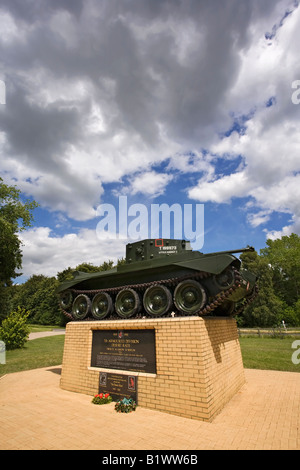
(162, 102)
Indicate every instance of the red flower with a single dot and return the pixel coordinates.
(106, 395)
(101, 395)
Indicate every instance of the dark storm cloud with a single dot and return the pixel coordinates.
(158, 73)
(36, 133)
(133, 95)
(184, 97)
(33, 10)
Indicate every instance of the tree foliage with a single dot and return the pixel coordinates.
(267, 306)
(67, 274)
(15, 216)
(278, 271)
(283, 255)
(38, 295)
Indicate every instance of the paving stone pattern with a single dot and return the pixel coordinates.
(35, 413)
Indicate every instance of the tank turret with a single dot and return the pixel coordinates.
(161, 277)
(149, 249)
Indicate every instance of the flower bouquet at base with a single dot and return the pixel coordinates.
(125, 406)
(102, 399)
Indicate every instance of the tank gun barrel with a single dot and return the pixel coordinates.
(242, 250)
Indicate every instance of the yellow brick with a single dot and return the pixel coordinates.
(197, 358)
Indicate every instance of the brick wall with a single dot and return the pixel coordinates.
(199, 363)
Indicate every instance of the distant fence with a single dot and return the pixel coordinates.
(278, 332)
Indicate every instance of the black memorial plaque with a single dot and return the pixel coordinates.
(118, 385)
(131, 350)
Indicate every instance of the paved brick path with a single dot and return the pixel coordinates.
(35, 413)
(42, 334)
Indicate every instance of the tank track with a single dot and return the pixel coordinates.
(207, 309)
(247, 301)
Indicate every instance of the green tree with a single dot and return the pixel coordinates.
(297, 312)
(90, 268)
(283, 254)
(267, 308)
(65, 275)
(38, 295)
(15, 216)
(68, 273)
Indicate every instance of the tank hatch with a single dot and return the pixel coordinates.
(155, 248)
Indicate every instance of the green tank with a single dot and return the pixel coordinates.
(161, 277)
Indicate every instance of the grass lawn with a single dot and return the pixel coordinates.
(269, 353)
(40, 352)
(257, 353)
(33, 328)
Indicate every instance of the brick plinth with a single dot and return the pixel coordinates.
(198, 360)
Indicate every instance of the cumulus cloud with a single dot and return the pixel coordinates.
(269, 141)
(100, 91)
(221, 189)
(45, 253)
(150, 183)
(143, 94)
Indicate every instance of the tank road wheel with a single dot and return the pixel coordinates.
(81, 307)
(102, 305)
(189, 297)
(127, 303)
(157, 300)
(66, 299)
(225, 279)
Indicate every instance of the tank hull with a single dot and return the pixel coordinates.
(181, 283)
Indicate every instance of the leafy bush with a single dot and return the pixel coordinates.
(14, 330)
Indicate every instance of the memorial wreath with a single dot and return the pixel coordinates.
(102, 399)
(125, 406)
